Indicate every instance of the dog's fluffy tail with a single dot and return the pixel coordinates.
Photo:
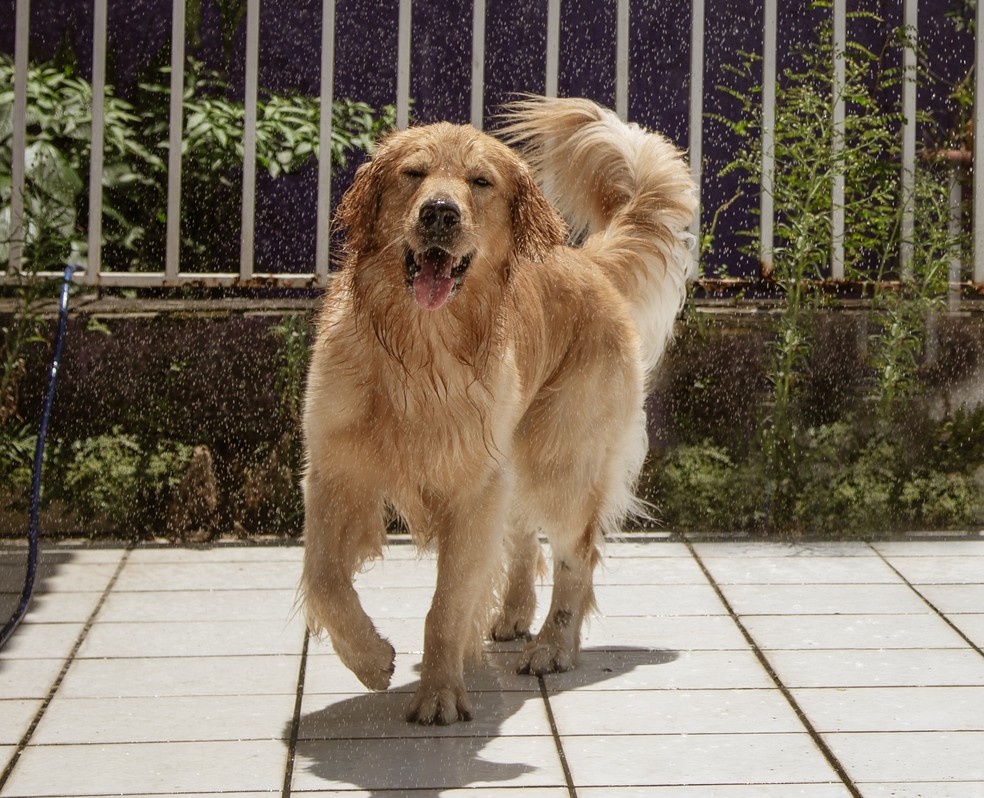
(629, 190)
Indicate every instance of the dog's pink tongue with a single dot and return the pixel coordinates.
(432, 285)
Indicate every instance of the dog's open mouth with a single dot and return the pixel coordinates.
(433, 274)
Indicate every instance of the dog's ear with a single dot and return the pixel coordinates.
(358, 211)
(537, 227)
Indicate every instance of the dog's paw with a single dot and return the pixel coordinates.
(506, 628)
(440, 705)
(373, 662)
(543, 656)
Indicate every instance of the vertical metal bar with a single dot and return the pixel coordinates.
(979, 148)
(247, 234)
(766, 198)
(837, 144)
(19, 137)
(322, 253)
(553, 47)
(622, 60)
(478, 64)
(403, 65)
(97, 141)
(175, 136)
(955, 227)
(910, 10)
(696, 143)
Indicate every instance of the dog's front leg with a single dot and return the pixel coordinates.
(343, 528)
(469, 551)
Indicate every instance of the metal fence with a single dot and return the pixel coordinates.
(172, 274)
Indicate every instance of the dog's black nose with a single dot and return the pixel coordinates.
(439, 216)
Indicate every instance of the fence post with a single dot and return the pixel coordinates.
(478, 64)
(322, 246)
(19, 138)
(175, 135)
(766, 197)
(553, 47)
(979, 148)
(97, 140)
(909, 86)
(403, 65)
(696, 132)
(623, 13)
(248, 224)
(837, 145)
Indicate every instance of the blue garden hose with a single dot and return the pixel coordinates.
(32, 530)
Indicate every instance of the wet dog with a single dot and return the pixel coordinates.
(485, 381)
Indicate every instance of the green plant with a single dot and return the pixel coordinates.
(806, 165)
(135, 173)
(118, 478)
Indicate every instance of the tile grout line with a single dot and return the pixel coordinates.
(817, 738)
(295, 723)
(927, 602)
(26, 738)
(555, 732)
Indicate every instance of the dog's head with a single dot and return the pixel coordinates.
(443, 201)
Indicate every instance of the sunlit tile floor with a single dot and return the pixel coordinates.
(713, 670)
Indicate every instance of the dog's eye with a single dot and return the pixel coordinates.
(414, 174)
(482, 182)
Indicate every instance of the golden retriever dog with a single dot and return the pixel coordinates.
(484, 381)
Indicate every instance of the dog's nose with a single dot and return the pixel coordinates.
(439, 216)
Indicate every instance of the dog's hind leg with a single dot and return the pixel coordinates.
(525, 561)
(343, 524)
(556, 645)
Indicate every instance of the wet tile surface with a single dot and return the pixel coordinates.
(176, 671)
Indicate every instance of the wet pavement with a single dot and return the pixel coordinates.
(714, 670)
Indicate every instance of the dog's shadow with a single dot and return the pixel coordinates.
(363, 742)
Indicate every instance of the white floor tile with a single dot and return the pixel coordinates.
(154, 768)
(611, 712)
(228, 638)
(823, 599)
(675, 633)
(427, 763)
(932, 548)
(218, 553)
(27, 678)
(199, 605)
(658, 600)
(41, 641)
(47, 607)
(181, 676)
(894, 709)
(879, 668)
(144, 576)
(955, 599)
(15, 718)
(924, 789)
(696, 759)
(910, 756)
(720, 791)
(649, 571)
(649, 548)
(381, 715)
(77, 721)
(59, 574)
(662, 670)
(799, 570)
(951, 570)
(792, 550)
(852, 631)
(468, 792)
(971, 625)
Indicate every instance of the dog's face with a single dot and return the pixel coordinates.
(445, 204)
